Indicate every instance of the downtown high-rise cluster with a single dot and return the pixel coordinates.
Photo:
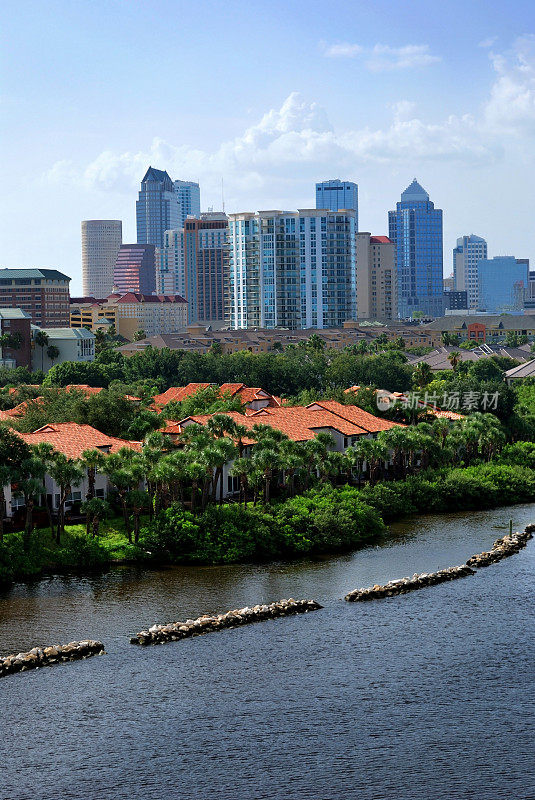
(310, 268)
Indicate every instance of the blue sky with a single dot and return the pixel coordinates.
(270, 97)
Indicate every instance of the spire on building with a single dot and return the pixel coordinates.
(414, 192)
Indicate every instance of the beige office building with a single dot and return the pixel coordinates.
(377, 289)
(101, 240)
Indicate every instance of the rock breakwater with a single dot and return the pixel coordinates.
(502, 548)
(158, 634)
(404, 585)
(45, 656)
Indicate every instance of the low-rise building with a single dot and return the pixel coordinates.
(62, 344)
(71, 439)
(252, 398)
(345, 423)
(15, 344)
(483, 327)
(131, 312)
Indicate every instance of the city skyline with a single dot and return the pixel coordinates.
(349, 96)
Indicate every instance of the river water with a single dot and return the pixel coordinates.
(423, 696)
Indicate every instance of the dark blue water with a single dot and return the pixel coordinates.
(423, 696)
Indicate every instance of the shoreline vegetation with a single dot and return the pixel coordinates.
(322, 521)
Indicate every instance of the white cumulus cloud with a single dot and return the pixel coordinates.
(511, 106)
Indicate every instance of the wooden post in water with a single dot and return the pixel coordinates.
(510, 527)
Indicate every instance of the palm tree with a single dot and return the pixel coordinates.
(137, 500)
(291, 459)
(95, 510)
(52, 352)
(66, 472)
(125, 471)
(41, 339)
(6, 474)
(422, 375)
(45, 452)
(454, 358)
(29, 478)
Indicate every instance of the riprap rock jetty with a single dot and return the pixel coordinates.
(404, 585)
(502, 548)
(158, 634)
(45, 656)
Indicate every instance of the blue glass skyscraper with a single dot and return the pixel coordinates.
(158, 207)
(337, 194)
(415, 227)
(503, 284)
(189, 197)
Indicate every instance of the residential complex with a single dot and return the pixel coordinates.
(503, 284)
(415, 227)
(101, 240)
(189, 198)
(291, 269)
(337, 194)
(131, 312)
(43, 293)
(377, 283)
(157, 209)
(469, 251)
(200, 339)
(483, 328)
(135, 269)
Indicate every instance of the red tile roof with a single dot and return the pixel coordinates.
(179, 393)
(136, 297)
(356, 415)
(300, 423)
(72, 439)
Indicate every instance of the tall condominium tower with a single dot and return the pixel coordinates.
(206, 266)
(101, 240)
(158, 207)
(170, 268)
(469, 250)
(415, 227)
(189, 197)
(377, 284)
(135, 269)
(291, 269)
(337, 194)
(503, 284)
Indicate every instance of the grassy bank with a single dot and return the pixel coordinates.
(323, 520)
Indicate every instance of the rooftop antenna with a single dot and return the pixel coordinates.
(222, 195)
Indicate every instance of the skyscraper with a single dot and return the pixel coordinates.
(206, 266)
(291, 269)
(377, 284)
(101, 240)
(415, 227)
(336, 194)
(469, 250)
(170, 267)
(189, 197)
(503, 284)
(157, 209)
(135, 269)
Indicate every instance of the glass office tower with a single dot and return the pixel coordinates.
(503, 284)
(337, 194)
(135, 269)
(415, 227)
(189, 197)
(158, 208)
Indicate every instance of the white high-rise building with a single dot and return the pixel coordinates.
(101, 241)
(189, 196)
(292, 269)
(170, 264)
(470, 249)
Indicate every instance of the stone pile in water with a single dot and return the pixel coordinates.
(403, 585)
(158, 634)
(502, 548)
(45, 656)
